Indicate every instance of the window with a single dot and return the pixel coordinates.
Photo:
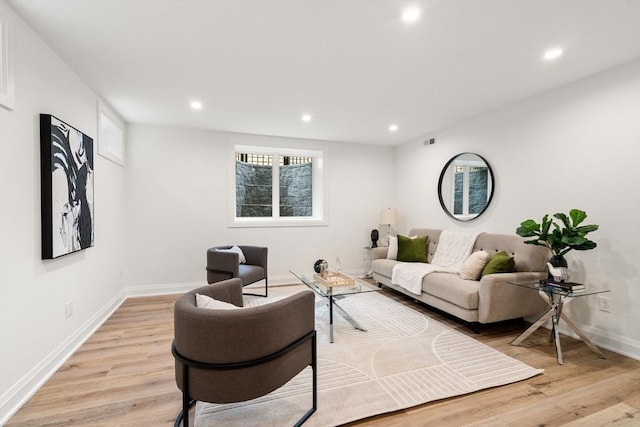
(277, 186)
(110, 137)
(7, 85)
(470, 187)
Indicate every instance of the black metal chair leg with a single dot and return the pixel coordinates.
(266, 291)
(182, 418)
(186, 401)
(314, 362)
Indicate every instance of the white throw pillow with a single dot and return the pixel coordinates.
(236, 249)
(203, 301)
(472, 267)
(392, 251)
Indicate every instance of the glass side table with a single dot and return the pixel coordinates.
(557, 298)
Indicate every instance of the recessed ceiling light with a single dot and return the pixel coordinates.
(393, 128)
(410, 14)
(552, 54)
(306, 118)
(196, 105)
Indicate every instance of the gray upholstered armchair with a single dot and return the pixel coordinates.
(222, 265)
(225, 356)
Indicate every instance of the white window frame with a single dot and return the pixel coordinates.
(7, 83)
(111, 135)
(278, 148)
(466, 164)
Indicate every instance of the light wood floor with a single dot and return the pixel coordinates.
(123, 376)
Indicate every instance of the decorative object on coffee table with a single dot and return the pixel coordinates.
(330, 280)
(321, 266)
(567, 235)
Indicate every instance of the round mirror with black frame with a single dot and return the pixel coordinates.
(465, 187)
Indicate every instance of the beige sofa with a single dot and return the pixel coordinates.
(491, 299)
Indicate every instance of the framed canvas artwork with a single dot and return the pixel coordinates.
(66, 174)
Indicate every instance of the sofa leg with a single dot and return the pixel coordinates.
(475, 327)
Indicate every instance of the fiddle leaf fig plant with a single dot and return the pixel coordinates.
(561, 237)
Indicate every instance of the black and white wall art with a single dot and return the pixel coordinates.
(66, 170)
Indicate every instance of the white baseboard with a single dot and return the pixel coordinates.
(179, 288)
(601, 338)
(607, 340)
(161, 289)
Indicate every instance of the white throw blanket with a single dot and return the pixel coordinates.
(453, 248)
(409, 275)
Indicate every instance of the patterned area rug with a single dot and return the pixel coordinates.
(404, 359)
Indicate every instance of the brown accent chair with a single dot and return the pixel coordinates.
(226, 265)
(226, 356)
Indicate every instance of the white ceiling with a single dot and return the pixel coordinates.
(257, 66)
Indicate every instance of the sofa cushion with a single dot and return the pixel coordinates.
(434, 236)
(250, 273)
(392, 251)
(499, 262)
(527, 257)
(452, 288)
(383, 267)
(412, 250)
(204, 301)
(235, 249)
(472, 267)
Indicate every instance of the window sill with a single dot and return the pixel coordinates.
(264, 223)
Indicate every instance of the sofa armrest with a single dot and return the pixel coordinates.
(218, 261)
(379, 252)
(499, 300)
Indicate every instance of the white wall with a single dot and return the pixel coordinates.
(34, 334)
(177, 184)
(575, 147)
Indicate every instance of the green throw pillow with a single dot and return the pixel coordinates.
(499, 263)
(412, 250)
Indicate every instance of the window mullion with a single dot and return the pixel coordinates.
(275, 186)
(465, 190)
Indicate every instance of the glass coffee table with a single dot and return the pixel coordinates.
(335, 292)
(556, 299)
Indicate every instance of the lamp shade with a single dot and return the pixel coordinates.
(388, 216)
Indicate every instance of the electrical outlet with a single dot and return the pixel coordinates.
(68, 310)
(605, 304)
